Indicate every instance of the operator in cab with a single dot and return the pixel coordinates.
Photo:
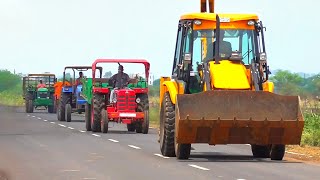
(41, 85)
(225, 48)
(78, 81)
(118, 81)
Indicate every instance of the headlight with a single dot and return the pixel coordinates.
(197, 22)
(251, 23)
(138, 100)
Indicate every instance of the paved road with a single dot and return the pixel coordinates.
(37, 146)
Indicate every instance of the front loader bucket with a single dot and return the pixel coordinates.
(238, 117)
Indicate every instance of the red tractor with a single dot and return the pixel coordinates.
(129, 105)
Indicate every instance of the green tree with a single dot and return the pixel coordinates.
(8, 80)
(288, 83)
(156, 83)
(107, 74)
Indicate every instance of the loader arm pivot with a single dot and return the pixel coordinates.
(204, 6)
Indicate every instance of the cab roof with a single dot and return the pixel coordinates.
(212, 16)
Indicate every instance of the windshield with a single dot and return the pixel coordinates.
(231, 40)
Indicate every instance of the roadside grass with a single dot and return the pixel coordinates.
(11, 98)
(154, 111)
(311, 132)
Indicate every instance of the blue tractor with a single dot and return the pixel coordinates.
(70, 100)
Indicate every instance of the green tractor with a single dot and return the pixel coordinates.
(38, 91)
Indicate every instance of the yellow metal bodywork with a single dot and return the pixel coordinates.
(173, 87)
(228, 75)
(212, 16)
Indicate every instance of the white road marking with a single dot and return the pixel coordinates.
(33, 116)
(89, 178)
(113, 140)
(135, 147)
(199, 167)
(52, 122)
(71, 170)
(70, 127)
(97, 135)
(28, 115)
(81, 131)
(45, 120)
(241, 179)
(39, 117)
(62, 125)
(160, 155)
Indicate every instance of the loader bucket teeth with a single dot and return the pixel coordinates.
(238, 117)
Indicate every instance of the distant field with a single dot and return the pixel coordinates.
(11, 99)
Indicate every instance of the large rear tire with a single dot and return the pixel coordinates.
(87, 116)
(30, 106)
(68, 112)
(98, 105)
(27, 103)
(27, 106)
(50, 109)
(131, 127)
(62, 106)
(54, 105)
(277, 152)
(167, 127)
(104, 121)
(260, 151)
(145, 123)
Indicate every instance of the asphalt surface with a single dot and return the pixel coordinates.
(37, 146)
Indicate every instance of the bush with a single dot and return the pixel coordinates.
(311, 132)
(10, 89)
(11, 98)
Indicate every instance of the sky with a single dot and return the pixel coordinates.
(39, 36)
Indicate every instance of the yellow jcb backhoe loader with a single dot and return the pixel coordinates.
(219, 92)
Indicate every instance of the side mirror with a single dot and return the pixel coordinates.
(187, 59)
(174, 76)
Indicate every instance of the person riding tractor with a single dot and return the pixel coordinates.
(118, 81)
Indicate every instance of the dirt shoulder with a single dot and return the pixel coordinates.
(306, 153)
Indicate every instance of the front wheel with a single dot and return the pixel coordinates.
(145, 123)
(260, 151)
(98, 105)
(167, 126)
(104, 121)
(182, 150)
(277, 152)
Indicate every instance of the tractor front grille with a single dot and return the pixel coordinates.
(42, 95)
(126, 103)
